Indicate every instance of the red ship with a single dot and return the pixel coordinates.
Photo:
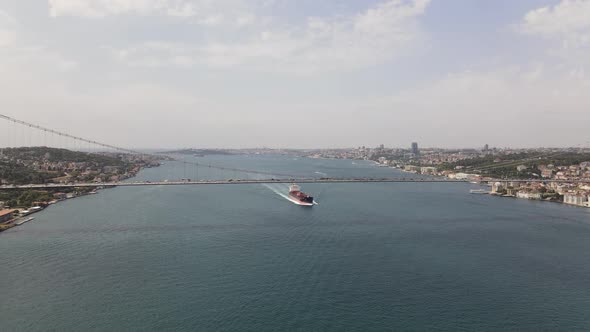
(298, 197)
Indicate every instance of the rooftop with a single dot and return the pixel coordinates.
(5, 212)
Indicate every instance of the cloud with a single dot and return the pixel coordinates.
(502, 102)
(101, 8)
(566, 29)
(20, 55)
(7, 30)
(385, 31)
(529, 90)
(205, 12)
(569, 16)
(522, 106)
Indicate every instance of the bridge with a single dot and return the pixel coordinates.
(36, 135)
(256, 181)
(228, 182)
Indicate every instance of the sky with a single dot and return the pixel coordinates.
(300, 73)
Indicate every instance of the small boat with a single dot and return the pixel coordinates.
(478, 191)
(18, 223)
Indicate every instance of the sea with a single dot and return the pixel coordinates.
(367, 257)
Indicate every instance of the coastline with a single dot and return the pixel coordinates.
(480, 183)
(15, 221)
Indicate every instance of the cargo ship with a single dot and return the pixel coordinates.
(298, 197)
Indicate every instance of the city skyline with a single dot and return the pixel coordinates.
(241, 74)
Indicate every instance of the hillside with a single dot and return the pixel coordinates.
(44, 164)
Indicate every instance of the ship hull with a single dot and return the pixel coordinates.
(298, 202)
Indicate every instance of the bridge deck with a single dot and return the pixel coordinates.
(260, 181)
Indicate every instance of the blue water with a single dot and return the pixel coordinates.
(392, 256)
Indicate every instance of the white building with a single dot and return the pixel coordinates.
(428, 170)
(575, 199)
(497, 186)
(411, 168)
(528, 195)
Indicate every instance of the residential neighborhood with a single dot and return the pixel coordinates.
(491, 167)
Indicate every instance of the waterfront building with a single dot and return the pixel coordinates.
(6, 215)
(463, 176)
(411, 168)
(511, 191)
(428, 170)
(528, 195)
(497, 187)
(575, 199)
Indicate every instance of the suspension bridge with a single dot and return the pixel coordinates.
(22, 133)
(258, 181)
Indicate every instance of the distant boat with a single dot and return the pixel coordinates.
(24, 221)
(478, 191)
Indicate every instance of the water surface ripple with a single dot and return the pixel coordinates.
(392, 256)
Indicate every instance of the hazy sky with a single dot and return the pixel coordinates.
(300, 73)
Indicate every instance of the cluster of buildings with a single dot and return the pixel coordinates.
(24, 161)
(83, 171)
(15, 217)
(581, 171)
(568, 193)
(399, 157)
(360, 153)
(429, 162)
(572, 193)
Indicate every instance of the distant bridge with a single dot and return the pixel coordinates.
(46, 135)
(262, 181)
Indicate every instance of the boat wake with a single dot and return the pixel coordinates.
(278, 190)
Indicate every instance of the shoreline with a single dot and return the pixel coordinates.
(485, 183)
(14, 222)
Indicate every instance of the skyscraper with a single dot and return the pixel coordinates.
(415, 148)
